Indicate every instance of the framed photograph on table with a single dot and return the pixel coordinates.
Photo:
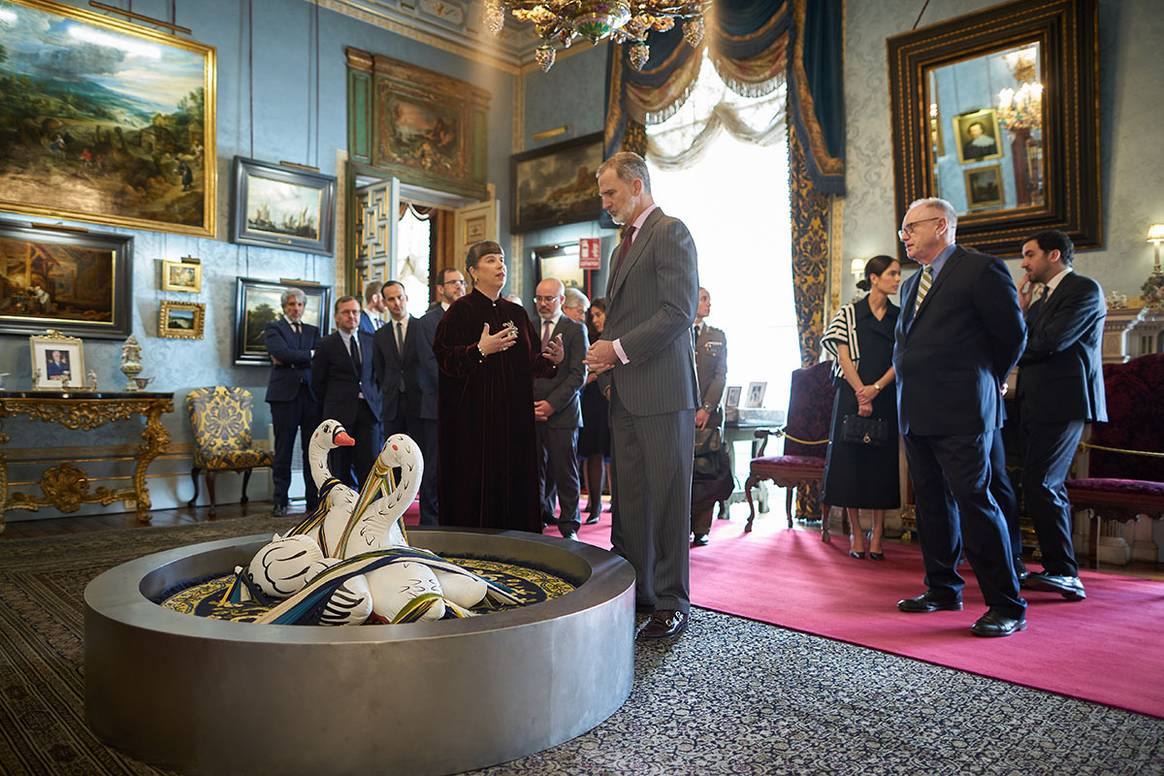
(184, 276)
(58, 361)
(732, 397)
(278, 206)
(181, 320)
(74, 281)
(755, 398)
(257, 303)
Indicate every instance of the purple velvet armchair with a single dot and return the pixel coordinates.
(810, 410)
(1118, 485)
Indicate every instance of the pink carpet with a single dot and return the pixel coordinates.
(1106, 649)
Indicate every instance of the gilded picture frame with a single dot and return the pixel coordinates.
(983, 186)
(184, 276)
(57, 361)
(257, 304)
(77, 282)
(181, 320)
(978, 146)
(119, 122)
(555, 184)
(276, 206)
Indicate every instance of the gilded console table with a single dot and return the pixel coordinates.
(65, 486)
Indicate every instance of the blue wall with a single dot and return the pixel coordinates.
(283, 113)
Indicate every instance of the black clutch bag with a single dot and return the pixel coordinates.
(864, 431)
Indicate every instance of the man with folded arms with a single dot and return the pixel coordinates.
(1060, 388)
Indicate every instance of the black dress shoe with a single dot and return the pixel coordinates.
(856, 555)
(876, 555)
(996, 623)
(700, 540)
(664, 624)
(929, 602)
(279, 510)
(570, 535)
(1070, 588)
(592, 520)
(1020, 569)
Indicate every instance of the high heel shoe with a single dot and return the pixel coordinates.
(876, 555)
(856, 555)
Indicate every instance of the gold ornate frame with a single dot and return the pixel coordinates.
(170, 284)
(165, 329)
(39, 346)
(105, 25)
(1067, 35)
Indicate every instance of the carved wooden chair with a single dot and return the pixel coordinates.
(806, 436)
(1124, 485)
(221, 418)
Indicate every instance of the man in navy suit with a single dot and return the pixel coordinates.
(372, 316)
(557, 410)
(450, 288)
(1060, 388)
(959, 333)
(396, 366)
(294, 409)
(342, 378)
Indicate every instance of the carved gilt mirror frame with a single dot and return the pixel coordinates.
(998, 112)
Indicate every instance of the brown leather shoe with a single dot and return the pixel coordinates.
(665, 624)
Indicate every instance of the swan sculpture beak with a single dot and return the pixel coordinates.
(343, 439)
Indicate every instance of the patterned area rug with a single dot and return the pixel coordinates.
(731, 696)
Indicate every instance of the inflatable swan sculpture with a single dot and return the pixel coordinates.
(349, 561)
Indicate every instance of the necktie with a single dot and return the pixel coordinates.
(295, 328)
(547, 329)
(354, 349)
(400, 338)
(623, 249)
(923, 287)
(695, 331)
(1037, 306)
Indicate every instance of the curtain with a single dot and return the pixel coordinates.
(755, 46)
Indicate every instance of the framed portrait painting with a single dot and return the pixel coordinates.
(556, 184)
(282, 207)
(184, 275)
(58, 362)
(978, 136)
(105, 121)
(984, 187)
(74, 281)
(257, 303)
(181, 320)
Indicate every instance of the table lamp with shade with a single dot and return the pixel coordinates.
(1152, 291)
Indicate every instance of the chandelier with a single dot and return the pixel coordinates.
(1022, 109)
(623, 21)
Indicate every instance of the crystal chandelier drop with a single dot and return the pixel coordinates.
(558, 22)
(1021, 109)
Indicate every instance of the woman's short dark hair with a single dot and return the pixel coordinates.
(875, 266)
(477, 250)
(1054, 240)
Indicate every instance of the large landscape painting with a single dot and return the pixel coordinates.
(104, 121)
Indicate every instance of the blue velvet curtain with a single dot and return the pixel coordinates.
(754, 44)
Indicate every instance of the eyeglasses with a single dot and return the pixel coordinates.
(546, 299)
(454, 283)
(909, 228)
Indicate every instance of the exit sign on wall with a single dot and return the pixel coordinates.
(590, 253)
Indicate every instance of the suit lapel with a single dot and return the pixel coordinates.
(951, 267)
(636, 249)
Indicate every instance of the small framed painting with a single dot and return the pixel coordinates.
(755, 397)
(732, 398)
(181, 320)
(277, 206)
(58, 362)
(184, 275)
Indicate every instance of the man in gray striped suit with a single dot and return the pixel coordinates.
(647, 370)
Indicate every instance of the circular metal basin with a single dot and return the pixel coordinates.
(217, 697)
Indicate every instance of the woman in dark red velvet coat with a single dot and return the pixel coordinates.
(489, 352)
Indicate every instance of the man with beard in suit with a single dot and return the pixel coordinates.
(1060, 388)
(342, 378)
(959, 333)
(557, 411)
(396, 366)
(647, 369)
(294, 409)
(450, 288)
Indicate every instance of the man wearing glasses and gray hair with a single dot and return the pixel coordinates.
(959, 334)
